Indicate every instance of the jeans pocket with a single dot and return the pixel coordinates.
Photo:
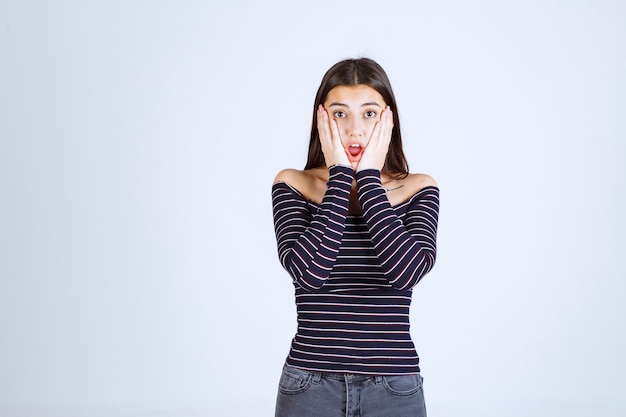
(294, 380)
(402, 384)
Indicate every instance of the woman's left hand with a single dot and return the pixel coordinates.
(375, 152)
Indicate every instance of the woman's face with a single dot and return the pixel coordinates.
(356, 109)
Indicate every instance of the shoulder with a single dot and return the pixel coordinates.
(416, 182)
(403, 189)
(297, 178)
(422, 189)
(288, 176)
(310, 183)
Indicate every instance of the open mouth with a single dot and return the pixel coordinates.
(355, 149)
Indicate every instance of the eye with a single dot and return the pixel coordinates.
(339, 114)
(370, 114)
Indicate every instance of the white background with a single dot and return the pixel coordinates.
(138, 144)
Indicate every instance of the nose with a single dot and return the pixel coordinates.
(355, 129)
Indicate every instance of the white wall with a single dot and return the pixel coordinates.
(138, 143)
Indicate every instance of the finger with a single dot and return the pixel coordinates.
(382, 131)
(382, 128)
(322, 125)
(330, 139)
(387, 127)
(320, 118)
(334, 132)
(374, 137)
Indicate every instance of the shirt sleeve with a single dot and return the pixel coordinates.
(308, 243)
(406, 250)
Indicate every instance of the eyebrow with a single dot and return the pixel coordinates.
(369, 103)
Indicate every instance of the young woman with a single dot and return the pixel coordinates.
(356, 232)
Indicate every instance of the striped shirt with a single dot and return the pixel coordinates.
(354, 274)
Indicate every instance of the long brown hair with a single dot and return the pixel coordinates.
(351, 72)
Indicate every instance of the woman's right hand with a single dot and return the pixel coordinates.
(334, 152)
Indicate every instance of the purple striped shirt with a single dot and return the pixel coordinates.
(354, 274)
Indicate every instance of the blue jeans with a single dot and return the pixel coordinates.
(321, 394)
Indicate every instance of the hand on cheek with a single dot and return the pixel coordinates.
(375, 152)
(332, 148)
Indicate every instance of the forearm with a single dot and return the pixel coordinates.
(308, 245)
(405, 256)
